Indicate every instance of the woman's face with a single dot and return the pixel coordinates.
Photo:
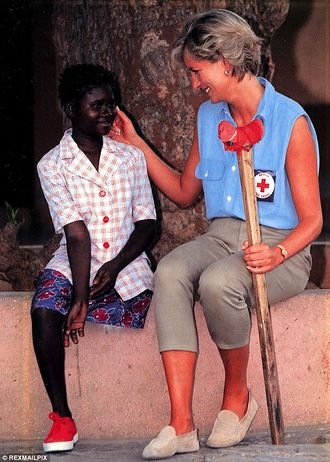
(208, 77)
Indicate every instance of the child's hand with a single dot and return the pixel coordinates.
(75, 322)
(122, 129)
(105, 279)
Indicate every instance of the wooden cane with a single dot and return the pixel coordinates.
(266, 339)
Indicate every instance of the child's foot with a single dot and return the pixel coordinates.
(63, 434)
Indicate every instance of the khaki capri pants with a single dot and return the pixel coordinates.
(212, 268)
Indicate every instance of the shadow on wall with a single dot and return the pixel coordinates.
(320, 275)
(286, 80)
(284, 51)
(320, 115)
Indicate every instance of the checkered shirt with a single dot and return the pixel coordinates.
(109, 201)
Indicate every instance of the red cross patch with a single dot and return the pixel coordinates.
(265, 184)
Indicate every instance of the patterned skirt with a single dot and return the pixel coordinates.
(54, 292)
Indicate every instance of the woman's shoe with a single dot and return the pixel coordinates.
(167, 443)
(228, 430)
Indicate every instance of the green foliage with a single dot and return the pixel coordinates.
(12, 215)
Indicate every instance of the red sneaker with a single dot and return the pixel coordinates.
(63, 434)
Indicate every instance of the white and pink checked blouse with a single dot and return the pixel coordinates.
(109, 201)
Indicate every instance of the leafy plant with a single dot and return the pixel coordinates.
(12, 215)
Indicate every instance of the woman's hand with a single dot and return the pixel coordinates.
(260, 258)
(75, 322)
(123, 130)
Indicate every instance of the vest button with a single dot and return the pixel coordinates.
(106, 245)
(105, 219)
(102, 193)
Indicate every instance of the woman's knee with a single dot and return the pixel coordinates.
(214, 285)
(171, 269)
(219, 283)
(225, 303)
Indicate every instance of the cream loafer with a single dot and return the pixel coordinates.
(228, 429)
(168, 443)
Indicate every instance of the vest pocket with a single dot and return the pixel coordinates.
(212, 170)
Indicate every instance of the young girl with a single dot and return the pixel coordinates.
(99, 196)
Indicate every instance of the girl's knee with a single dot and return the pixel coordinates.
(43, 317)
(38, 314)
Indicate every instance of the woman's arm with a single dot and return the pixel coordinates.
(301, 168)
(182, 188)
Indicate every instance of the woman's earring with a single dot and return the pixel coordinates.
(227, 72)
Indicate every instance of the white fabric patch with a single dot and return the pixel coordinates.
(264, 184)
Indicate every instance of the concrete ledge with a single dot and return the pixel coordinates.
(116, 384)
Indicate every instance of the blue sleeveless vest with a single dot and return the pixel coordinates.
(218, 168)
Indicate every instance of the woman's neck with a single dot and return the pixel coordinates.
(245, 100)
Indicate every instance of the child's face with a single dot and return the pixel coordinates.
(94, 112)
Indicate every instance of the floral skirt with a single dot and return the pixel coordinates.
(54, 292)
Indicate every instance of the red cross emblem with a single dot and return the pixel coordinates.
(264, 184)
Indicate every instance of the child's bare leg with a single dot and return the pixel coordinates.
(47, 334)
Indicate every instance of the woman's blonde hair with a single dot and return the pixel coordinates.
(218, 34)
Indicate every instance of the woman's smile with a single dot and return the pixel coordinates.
(207, 77)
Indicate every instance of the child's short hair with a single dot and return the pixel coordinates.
(78, 79)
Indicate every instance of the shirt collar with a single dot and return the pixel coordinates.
(265, 105)
(69, 148)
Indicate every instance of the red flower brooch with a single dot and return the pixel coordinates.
(240, 138)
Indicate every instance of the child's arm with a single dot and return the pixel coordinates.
(140, 239)
(66, 217)
(79, 254)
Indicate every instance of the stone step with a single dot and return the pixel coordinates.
(302, 444)
(116, 384)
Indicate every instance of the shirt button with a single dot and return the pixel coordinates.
(106, 245)
(228, 198)
(233, 168)
(206, 174)
(105, 219)
(102, 193)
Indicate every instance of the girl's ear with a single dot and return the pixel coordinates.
(69, 109)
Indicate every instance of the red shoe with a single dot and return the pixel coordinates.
(63, 434)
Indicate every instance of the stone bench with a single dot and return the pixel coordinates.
(116, 383)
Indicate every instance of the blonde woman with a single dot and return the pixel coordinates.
(222, 55)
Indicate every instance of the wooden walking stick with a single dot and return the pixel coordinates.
(241, 140)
